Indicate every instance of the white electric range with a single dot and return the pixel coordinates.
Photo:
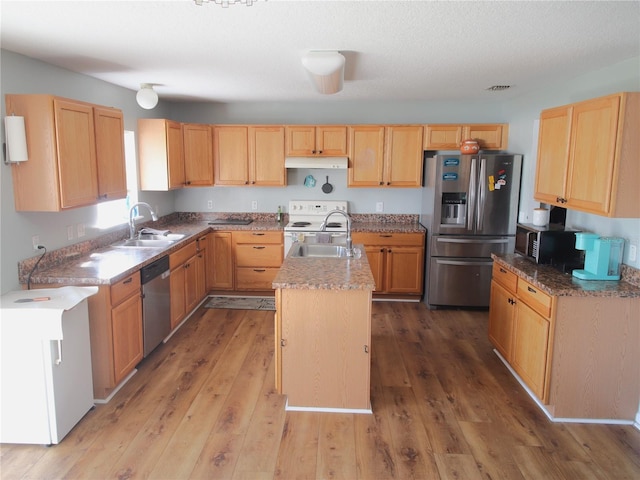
(306, 217)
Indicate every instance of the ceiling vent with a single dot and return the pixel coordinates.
(499, 88)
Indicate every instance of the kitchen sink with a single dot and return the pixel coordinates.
(319, 250)
(150, 241)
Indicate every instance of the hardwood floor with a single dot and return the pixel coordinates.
(203, 406)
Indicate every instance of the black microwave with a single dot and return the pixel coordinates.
(552, 244)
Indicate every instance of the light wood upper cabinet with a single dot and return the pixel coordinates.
(249, 155)
(385, 156)
(310, 140)
(490, 136)
(63, 137)
(587, 156)
(161, 154)
(198, 154)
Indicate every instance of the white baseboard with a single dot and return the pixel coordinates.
(290, 408)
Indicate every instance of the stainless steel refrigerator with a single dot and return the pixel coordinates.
(471, 207)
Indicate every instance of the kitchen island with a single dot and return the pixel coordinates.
(323, 333)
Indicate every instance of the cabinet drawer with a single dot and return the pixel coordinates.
(504, 277)
(388, 239)
(536, 299)
(248, 255)
(124, 288)
(182, 255)
(255, 278)
(257, 237)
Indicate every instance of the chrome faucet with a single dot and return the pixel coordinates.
(323, 228)
(132, 221)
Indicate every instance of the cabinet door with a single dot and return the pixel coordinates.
(220, 261)
(592, 154)
(175, 155)
(177, 281)
(404, 269)
(76, 144)
(442, 137)
(489, 136)
(403, 156)
(266, 156)
(109, 130)
(375, 257)
(127, 336)
(198, 154)
(191, 282)
(553, 155)
(300, 140)
(200, 275)
(231, 155)
(530, 347)
(331, 140)
(366, 156)
(501, 312)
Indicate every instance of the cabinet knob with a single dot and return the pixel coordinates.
(388, 183)
(188, 182)
(381, 183)
(283, 342)
(314, 151)
(320, 152)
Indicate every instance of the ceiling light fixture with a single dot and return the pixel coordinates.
(326, 70)
(226, 3)
(147, 97)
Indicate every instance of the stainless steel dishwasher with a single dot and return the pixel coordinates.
(156, 303)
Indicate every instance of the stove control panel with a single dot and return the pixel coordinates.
(311, 207)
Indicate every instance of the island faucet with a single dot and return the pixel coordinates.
(132, 221)
(323, 228)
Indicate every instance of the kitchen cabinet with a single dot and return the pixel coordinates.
(312, 140)
(564, 348)
(322, 346)
(450, 136)
(76, 153)
(249, 155)
(160, 154)
(587, 156)
(396, 261)
(187, 279)
(258, 256)
(219, 261)
(385, 156)
(198, 154)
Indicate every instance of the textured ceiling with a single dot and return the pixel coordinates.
(395, 50)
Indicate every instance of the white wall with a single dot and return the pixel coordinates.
(24, 75)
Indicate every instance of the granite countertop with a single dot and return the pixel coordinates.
(96, 262)
(325, 273)
(556, 283)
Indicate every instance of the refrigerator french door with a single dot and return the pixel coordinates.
(475, 208)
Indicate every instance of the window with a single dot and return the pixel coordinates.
(116, 212)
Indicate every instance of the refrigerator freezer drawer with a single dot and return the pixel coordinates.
(462, 282)
(467, 246)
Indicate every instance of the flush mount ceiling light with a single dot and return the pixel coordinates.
(326, 70)
(226, 3)
(147, 97)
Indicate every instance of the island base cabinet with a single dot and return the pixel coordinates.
(324, 358)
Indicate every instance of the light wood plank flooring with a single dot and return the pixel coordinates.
(203, 406)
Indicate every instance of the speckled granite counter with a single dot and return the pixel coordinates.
(325, 273)
(560, 284)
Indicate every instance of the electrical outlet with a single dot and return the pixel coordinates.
(210, 204)
(35, 241)
(379, 207)
(80, 230)
(254, 205)
(69, 232)
(633, 252)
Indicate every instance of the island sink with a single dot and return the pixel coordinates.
(309, 250)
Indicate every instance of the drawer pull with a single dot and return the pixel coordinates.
(258, 234)
(128, 280)
(502, 270)
(532, 290)
(259, 248)
(386, 236)
(259, 270)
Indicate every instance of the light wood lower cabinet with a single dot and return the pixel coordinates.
(219, 261)
(396, 261)
(578, 354)
(115, 319)
(258, 256)
(187, 280)
(322, 348)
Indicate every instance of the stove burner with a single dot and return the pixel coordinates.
(300, 224)
(334, 225)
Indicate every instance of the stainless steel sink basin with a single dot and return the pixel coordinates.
(319, 250)
(150, 241)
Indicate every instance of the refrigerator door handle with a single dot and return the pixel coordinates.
(463, 263)
(472, 240)
(483, 194)
(58, 359)
(471, 203)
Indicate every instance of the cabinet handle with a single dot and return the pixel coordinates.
(388, 183)
(366, 349)
(259, 247)
(502, 270)
(283, 342)
(381, 183)
(259, 270)
(128, 280)
(258, 234)
(532, 290)
(386, 236)
(319, 152)
(246, 182)
(382, 250)
(314, 151)
(188, 182)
